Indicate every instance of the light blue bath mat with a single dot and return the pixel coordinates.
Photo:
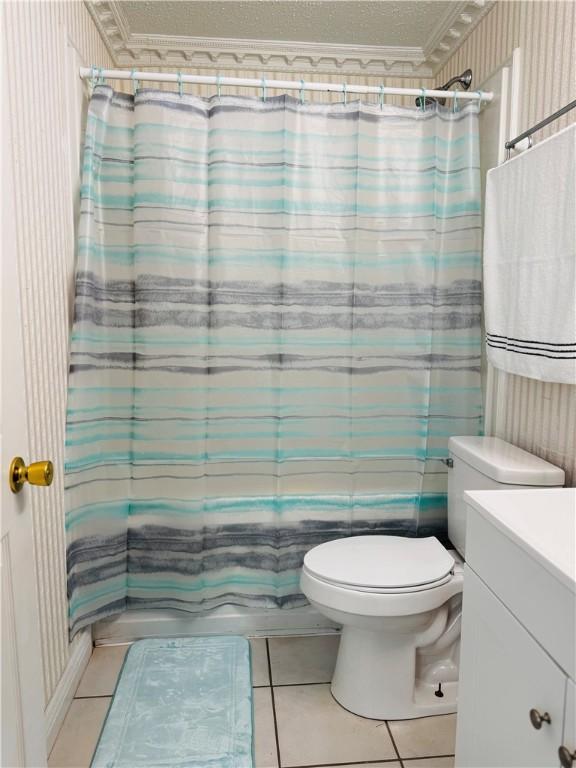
(184, 703)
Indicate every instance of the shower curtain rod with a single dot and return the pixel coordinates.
(285, 85)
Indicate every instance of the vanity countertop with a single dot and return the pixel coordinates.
(541, 521)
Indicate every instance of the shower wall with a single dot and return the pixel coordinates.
(44, 44)
(538, 416)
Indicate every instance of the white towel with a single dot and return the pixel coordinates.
(530, 261)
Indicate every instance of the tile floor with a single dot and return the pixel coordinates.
(297, 722)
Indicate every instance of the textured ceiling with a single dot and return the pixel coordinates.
(352, 22)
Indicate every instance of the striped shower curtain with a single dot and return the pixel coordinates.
(277, 328)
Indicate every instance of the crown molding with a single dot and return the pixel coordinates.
(128, 49)
(453, 30)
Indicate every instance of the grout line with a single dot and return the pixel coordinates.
(293, 685)
(393, 742)
(425, 757)
(289, 685)
(273, 704)
(103, 696)
(355, 762)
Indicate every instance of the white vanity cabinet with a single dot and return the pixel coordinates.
(516, 704)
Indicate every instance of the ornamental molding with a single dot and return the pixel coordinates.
(128, 49)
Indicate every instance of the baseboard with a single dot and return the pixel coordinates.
(134, 625)
(62, 698)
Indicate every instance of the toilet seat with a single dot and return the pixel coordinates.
(381, 590)
(381, 564)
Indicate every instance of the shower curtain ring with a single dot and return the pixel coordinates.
(345, 92)
(93, 74)
(301, 91)
(100, 77)
(180, 86)
(423, 100)
(263, 89)
(381, 97)
(219, 88)
(134, 81)
(455, 102)
(480, 94)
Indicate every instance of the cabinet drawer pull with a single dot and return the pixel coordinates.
(537, 719)
(566, 757)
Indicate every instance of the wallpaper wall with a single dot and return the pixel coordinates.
(45, 42)
(537, 416)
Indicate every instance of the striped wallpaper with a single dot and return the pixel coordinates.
(537, 416)
(44, 43)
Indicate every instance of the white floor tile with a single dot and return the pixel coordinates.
(431, 762)
(79, 734)
(102, 671)
(314, 730)
(303, 659)
(425, 736)
(260, 673)
(264, 735)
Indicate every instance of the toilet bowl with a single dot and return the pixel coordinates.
(393, 597)
(399, 599)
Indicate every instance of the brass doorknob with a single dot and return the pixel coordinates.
(38, 473)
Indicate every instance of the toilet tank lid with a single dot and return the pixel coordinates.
(505, 463)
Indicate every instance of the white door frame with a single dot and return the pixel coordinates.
(507, 105)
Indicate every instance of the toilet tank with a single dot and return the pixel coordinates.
(489, 463)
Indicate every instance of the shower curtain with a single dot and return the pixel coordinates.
(277, 328)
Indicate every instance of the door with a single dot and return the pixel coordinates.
(507, 682)
(22, 735)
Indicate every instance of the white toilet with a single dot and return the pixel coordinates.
(398, 599)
